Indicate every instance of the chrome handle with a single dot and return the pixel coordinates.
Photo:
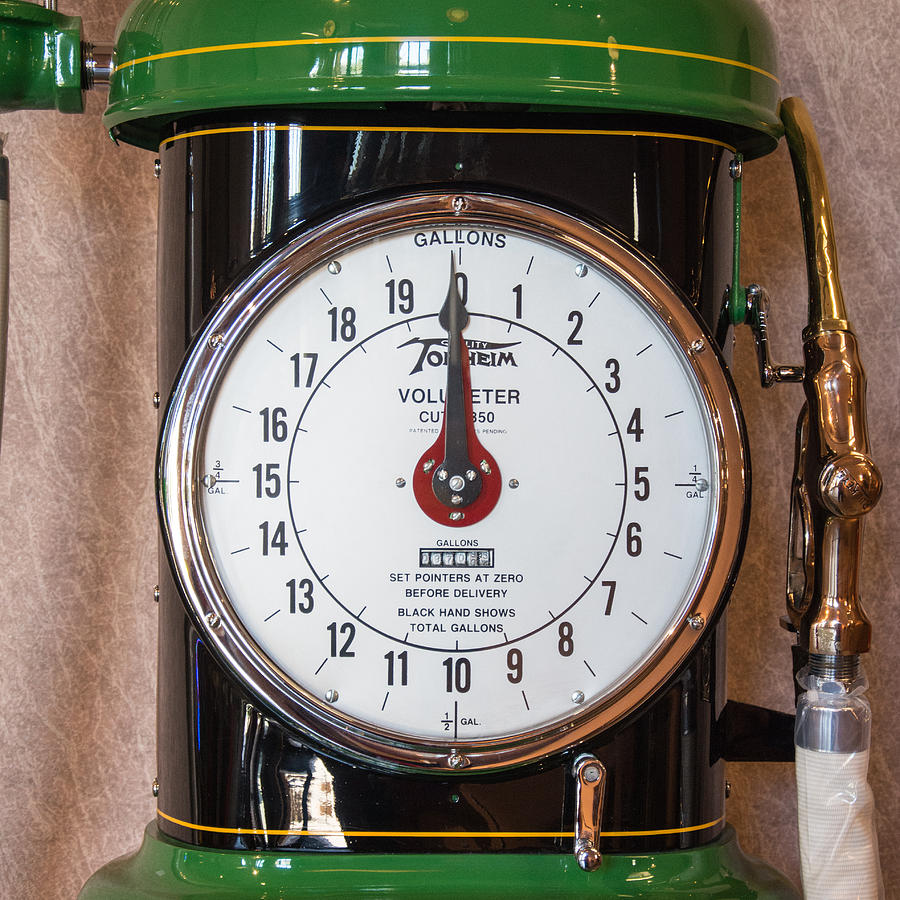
(590, 775)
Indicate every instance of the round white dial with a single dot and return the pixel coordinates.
(456, 481)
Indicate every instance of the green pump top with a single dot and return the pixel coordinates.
(712, 60)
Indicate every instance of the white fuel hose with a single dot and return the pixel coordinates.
(835, 805)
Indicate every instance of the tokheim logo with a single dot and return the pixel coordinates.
(433, 352)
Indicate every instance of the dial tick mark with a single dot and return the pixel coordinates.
(638, 617)
(274, 345)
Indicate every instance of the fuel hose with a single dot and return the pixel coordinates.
(838, 845)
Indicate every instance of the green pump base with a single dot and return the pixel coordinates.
(166, 868)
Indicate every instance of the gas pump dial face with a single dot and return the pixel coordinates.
(453, 482)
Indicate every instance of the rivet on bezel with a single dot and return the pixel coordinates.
(457, 760)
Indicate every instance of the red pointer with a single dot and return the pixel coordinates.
(456, 481)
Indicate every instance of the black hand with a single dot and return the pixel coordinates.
(456, 481)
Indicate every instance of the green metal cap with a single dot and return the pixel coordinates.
(40, 58)
(706, 59)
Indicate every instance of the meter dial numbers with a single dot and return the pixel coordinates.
(562, 400)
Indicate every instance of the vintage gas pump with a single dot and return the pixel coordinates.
(453, 480)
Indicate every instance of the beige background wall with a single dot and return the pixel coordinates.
(77, 521)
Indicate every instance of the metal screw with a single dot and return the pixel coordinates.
(331, 695)
(209, 481)
(590, 774)
(471, 474)
(455, 499)
(400, 482)
(459, 204)
(156, 594)
(457, 761)
(513, 483)
(485, 467)
(698, 346)
(428, 465)
(213, 620)
(154, 788)
(157, 168)
(156, 399)
(216, 340)
(334, 267)
(442, 475)
(457, 516)
(696, 622)
(736, 169)
(578, 697)
(457, 483)
(581, 270)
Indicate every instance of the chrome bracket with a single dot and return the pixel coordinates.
(590, 775)
(758, 319)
